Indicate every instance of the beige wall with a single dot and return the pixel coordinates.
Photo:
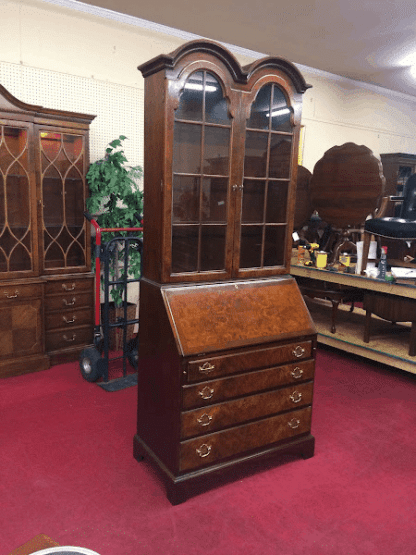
(67, 59)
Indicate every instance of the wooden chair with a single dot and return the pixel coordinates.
(402, 227)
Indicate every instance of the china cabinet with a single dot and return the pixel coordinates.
(397, 168)
(226, 344)
(46, 287)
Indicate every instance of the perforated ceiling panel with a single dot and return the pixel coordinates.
(119, 109)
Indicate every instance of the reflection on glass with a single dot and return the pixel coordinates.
(51, 145)
(54, 257)
(214, 199)
(2, 205)
(216, 150)
(253, 201)
(74, 199)
(53, 210)
(185, 198)
(212, 247)
(260, 109)
(216, 110)
(190, 101)
(274, 245)
(280, 112)
(250, 248)
(18, 201)
(280, 151)
(255, 161)
(184, 249)
(19, 259)
(73, 146)
(276, 202)
(75, 255)
(187, 148)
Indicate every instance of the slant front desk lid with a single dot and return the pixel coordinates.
(218, 316)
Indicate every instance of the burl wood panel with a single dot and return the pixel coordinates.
(231, 413)
(234, 441)
(244, 384)
(347, 185)
(216, 317)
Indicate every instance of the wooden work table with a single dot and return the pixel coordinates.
(388, 346)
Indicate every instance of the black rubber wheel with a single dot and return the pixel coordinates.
(132, 352)
(88, 363)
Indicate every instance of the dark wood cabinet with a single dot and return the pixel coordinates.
(226, 344)
(43, 161)
(397, 168)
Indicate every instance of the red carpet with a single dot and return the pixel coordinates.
(67, 471)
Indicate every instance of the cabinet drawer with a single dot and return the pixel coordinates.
(69, 301)
(214, 447)
(245, 384)
(69, 318)
(68, 286)
(231, 413)
(64, 339)
(208, 368)
(11, 293)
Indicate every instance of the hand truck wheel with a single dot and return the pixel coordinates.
(88, 362)
(132, 352)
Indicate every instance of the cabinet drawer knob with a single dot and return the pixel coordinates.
(296, 397)
(205, 419)
(66, 288)
(206, 393)
(206, 368)
(16, 294)
(69, 303)
(294, 423)
(204, 450)
(65, 319)
(297, 373)
(70, 339)
(298, 352)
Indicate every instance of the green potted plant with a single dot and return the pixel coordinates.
(116, 201)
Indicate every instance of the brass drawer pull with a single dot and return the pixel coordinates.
(69, 303)
(70, 339)
(16, 294)
(206, 368)
(206, 393)
(296, 397)
(65, 319)
(204, 450)
(298, 352)
(297, 373)
(66, 288)
(294, 423)
(205, 419)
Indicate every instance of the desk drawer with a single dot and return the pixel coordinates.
(211, 448)
(64, 339)
(69, 318)
(69, 301)
(208, 368)
(69, 285)
(245, 384)
(12, 293)
(231, 413)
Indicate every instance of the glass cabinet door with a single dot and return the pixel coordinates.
(16, 216)
(63, 200)
(267, 167)
(200, 180)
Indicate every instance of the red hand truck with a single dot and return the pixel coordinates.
(94, 360)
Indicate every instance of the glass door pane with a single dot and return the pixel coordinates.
(267, 162)
(16, 233)
(63, 198)
(200, 181)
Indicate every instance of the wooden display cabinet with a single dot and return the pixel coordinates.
(226, 343)
(44, 240)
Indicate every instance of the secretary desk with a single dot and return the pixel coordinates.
(226, 343)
